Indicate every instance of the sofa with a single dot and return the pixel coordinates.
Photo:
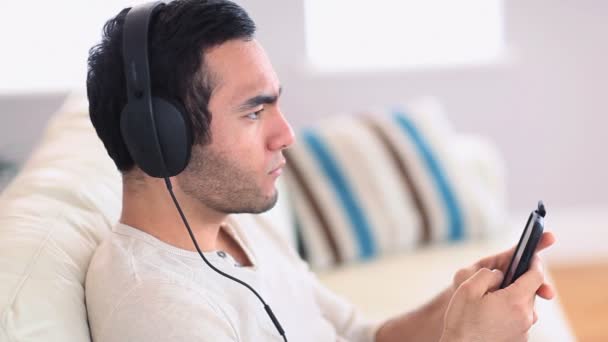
(68, 194)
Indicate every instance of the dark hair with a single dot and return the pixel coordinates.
(180, 33)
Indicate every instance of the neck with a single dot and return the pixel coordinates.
(148, 206)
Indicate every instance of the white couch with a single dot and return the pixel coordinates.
(67, 196)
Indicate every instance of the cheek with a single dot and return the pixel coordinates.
(243, 145)
(226, 136)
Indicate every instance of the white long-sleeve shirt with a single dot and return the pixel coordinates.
(139, 288)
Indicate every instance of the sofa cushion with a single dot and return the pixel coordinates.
(52, 216)
(387, 181)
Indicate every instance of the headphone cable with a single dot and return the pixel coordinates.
(267, 308)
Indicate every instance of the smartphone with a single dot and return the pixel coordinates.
(520, 261)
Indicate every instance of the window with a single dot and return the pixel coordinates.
(45, 45)
(347, 35)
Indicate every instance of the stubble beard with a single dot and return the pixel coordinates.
(221, 184)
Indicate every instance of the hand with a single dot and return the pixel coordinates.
(475, 313)
(501, 262)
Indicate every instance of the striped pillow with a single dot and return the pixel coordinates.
(363, 186)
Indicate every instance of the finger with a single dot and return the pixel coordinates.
(482, 281)
(463, 274)
(529, 282)
(546, 240)
(501, 260)
(496, 261)
(535, 319)
(546, 291)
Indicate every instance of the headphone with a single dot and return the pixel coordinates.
(157, 133)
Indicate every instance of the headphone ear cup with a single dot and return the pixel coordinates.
(174, 135)
(187, 120)
(138, 134)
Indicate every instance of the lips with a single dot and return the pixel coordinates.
(280, 166)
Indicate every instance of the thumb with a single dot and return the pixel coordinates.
(483, 281)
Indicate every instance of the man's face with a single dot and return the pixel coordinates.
(232, 174)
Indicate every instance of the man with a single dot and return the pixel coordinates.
(147, 283)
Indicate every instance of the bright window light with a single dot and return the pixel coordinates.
(347, 35)
(45, 44)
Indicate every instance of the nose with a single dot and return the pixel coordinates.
(282, 136)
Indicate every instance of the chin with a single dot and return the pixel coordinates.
(269, 201)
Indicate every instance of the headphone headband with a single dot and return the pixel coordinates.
(135, 51)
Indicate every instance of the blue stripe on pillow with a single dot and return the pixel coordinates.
(367, 245)
(456, 231)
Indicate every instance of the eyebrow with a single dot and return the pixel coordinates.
(259, 100)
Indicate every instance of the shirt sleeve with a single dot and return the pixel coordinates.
(165, 312)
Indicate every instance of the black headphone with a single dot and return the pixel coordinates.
(158, 135)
